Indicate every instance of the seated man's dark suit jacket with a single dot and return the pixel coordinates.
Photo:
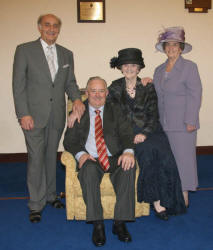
(117, 131)
(118, 136)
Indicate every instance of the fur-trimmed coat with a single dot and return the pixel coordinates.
(144, 115)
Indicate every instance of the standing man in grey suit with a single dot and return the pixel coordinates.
(99, 150)
(43, 72)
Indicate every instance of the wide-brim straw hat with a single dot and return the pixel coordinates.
(173, 34)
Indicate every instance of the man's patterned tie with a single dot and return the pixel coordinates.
(50, 60)
(100, 143)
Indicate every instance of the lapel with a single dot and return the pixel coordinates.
(121, 95)
(123, 91)
(60, 58)
(176, 68)
(175, 73)
(161, 79)
(138, 91)
(41, 60)
(107, 119)
(84, 125)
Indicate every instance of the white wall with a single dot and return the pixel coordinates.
(129, 23)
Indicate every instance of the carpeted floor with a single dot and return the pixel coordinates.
(192, 231)
(205, 171)
(13, 179)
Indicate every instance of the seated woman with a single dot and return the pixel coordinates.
(159, 182)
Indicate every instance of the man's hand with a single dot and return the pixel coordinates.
(127, 161)
(84, 158)
(78, 108)
(71, 119)
(190, 128)
(27, 122)
(139, 138)
(146, 80)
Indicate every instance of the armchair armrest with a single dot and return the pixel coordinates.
(68, 160)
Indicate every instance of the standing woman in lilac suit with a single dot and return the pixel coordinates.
(178, 86)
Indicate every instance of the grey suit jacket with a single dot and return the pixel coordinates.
(34, 92)
(117, 130)
(179, 96)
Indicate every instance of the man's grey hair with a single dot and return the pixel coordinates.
(42, 16)
(96, 78)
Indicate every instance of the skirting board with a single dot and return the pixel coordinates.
(22, 157)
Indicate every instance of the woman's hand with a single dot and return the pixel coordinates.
(146, 80)
(139, 138)
(190, 128)
(127, 161)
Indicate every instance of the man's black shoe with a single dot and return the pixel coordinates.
(57, 203)
(35, 216)
(121, 231)
(162, 215)
(98, 235)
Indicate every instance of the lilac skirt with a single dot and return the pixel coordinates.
(183, 145)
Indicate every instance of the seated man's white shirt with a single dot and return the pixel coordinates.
(91, 144)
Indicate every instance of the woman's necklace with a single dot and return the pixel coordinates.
(131, 89)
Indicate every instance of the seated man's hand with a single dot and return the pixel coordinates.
(71, 119)
(27, 122)
(139, 138)
(146, 80)
(127, 161)
(78, 108)
(84, 158)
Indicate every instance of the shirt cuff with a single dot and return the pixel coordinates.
(79, 154)
(129, 150)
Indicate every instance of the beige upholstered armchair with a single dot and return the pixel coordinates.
(75, 206)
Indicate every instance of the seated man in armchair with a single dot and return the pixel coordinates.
(99, 150)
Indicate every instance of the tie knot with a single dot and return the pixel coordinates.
(97, 112)
(50, 50)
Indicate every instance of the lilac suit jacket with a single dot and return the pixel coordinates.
(179, 95)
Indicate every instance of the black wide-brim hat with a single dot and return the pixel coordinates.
(126, 56)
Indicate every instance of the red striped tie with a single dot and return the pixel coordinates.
(100, 143)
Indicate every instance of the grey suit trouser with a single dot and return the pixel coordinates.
(90, 176)
(42, 145)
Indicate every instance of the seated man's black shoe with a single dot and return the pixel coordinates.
(162, 215)
(98, 235)
(121, 231)
(57, 203)
(35, 216)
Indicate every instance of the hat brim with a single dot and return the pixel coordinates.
(131, 61)
(187, 46)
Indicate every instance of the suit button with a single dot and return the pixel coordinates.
(51, 99)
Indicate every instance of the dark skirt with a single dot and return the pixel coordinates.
(159, 178)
